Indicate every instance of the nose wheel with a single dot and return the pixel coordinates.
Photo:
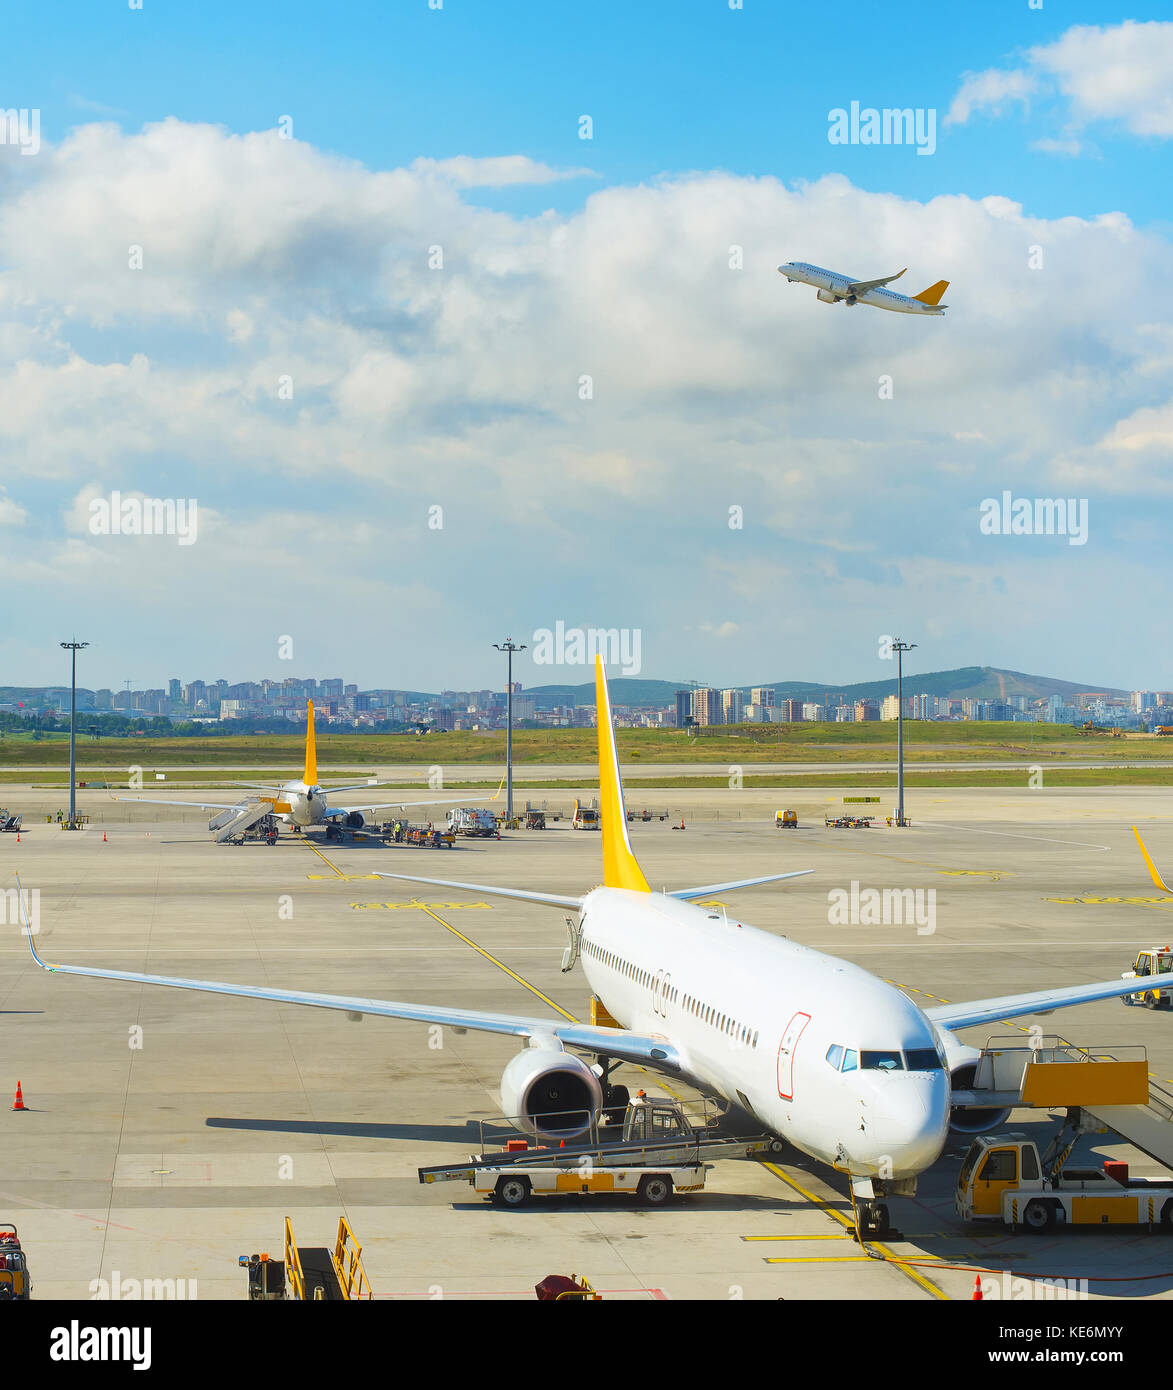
(873, 1220)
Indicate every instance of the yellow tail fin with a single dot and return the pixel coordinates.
(620, 869)
(933, 294)
(1153, 874)
(311, 748)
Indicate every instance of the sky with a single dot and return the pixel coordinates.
(437, 325)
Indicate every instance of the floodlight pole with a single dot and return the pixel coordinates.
(509, 647)
(900, 647)
(73, 648)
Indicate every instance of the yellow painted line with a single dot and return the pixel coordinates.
(827, 1235)
(915, 1275)
(417, 906)
(889, 1257)
(856, 1259)
(500, 964)
(323, 858)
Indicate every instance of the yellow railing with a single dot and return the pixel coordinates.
(293, 1263)
(348, 1263)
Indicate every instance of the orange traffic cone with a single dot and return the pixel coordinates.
(977, 1290)
(103, 837)
(18, 837)
(18, 1100)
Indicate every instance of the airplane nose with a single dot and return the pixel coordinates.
(911, 1123)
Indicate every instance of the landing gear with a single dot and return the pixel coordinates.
(874, 1220)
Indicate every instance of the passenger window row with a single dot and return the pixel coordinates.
(707, 1013)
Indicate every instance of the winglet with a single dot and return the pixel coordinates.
(933, 294)
(311, 748)
(620, 869)
(1156, 877)
(28, 926)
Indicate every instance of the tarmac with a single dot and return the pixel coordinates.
(170, 1132)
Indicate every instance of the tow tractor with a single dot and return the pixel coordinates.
(1156, 961)
(658, 1152)
(848, 822)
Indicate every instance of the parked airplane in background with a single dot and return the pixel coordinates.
(834, 288)
(843, 1065)
(300, 804)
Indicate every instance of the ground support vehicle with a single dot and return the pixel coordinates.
(1006, 1178)
(312, 1273)
(653, 1154)
(15, 1285)
(1157, 960)
(786, 820)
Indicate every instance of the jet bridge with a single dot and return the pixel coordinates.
(1109, 1085)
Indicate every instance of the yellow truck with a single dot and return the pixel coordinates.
(1158, 960)
(1005, 1178)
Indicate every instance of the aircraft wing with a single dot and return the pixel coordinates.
(196, 805)
(862, 286)
(333, 811)
(610, 1042)
(1042, 1001)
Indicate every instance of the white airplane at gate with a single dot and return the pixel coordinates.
(835, 288)
(301, 803)
(815, 1049)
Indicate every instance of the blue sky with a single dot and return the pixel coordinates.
(713, 386)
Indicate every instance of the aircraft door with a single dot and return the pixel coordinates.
(786, 1051)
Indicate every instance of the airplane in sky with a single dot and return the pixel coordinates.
(300, 804)
(835, 288)
(815, 1049)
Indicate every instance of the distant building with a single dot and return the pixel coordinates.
(706, 707)
(814, 713)
(732, 703)
(763, 695)
(790, 711)
(683, 708)
(866, 710)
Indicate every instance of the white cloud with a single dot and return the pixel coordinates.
(267, 260)
(1120, 73)
(990, 91)
(1116, 73)
(11, 513)
(499, 172)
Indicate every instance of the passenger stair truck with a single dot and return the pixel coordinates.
(1005, 1177)
(233, 823)
(658, 1153)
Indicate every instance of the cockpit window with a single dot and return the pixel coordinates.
(835, 1055)
(850, 1059)
(882, 1061)
(923, 1059)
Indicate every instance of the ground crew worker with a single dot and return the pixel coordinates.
(641, 1098)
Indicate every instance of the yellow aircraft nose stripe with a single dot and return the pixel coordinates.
(620, 869)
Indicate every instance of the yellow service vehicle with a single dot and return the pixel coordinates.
(786, 820)
(1156, 961)
(14, 1269)
(1005, 1178)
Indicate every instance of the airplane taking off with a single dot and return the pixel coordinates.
(834, 288)
(299, 804)
(819, 1051)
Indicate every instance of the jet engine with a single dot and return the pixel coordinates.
(962, 1061)
(353, 820)
(553, 1095)
(827, 297)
